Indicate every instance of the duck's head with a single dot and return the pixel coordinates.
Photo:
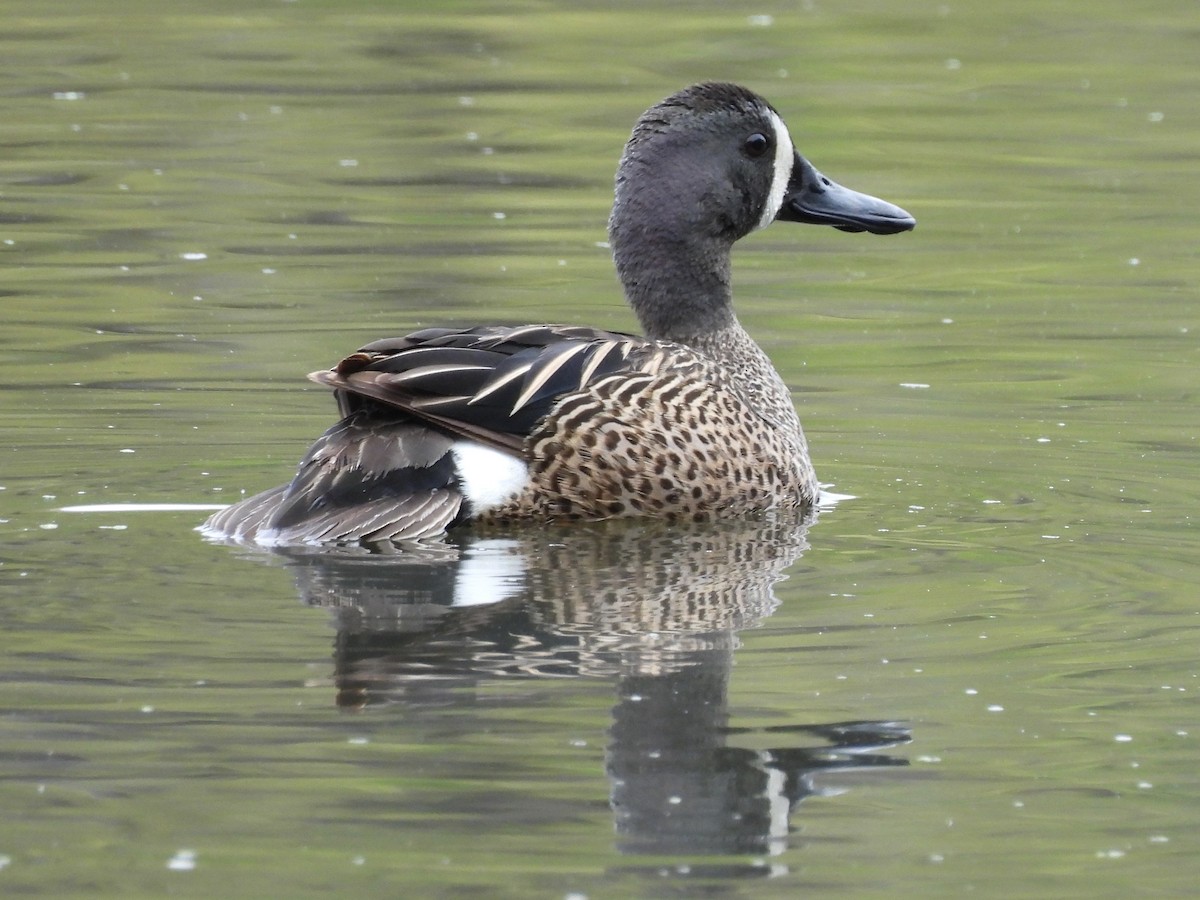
(702, 169)
(718, 158)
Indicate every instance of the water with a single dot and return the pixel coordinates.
(978, 675)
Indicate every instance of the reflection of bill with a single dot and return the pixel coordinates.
(678, 787)
(654, 607)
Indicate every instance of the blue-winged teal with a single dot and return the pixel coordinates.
(540, 422)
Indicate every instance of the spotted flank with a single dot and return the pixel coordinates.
(501, 425)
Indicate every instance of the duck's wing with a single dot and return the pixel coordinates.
(393, 469)
(368, 478)
(489, 384)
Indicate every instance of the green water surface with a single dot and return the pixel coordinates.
(201, 202)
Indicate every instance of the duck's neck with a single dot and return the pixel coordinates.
(680, 291)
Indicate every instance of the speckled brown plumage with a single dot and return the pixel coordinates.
(677, 436)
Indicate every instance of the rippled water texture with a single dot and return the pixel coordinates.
(978, 676)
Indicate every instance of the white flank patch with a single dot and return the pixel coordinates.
(785, 156)
(489, 477)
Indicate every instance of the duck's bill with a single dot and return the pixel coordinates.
(816, 200)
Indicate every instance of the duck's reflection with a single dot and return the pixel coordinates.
(655, 607)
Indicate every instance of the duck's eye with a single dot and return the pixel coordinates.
(756, 145)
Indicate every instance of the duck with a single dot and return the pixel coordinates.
(499, 425)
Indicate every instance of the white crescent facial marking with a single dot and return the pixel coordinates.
(488, 476)
(785, 154)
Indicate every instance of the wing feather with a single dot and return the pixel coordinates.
(491, 384)
(550, 362)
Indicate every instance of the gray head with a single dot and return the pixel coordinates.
(702, 169)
